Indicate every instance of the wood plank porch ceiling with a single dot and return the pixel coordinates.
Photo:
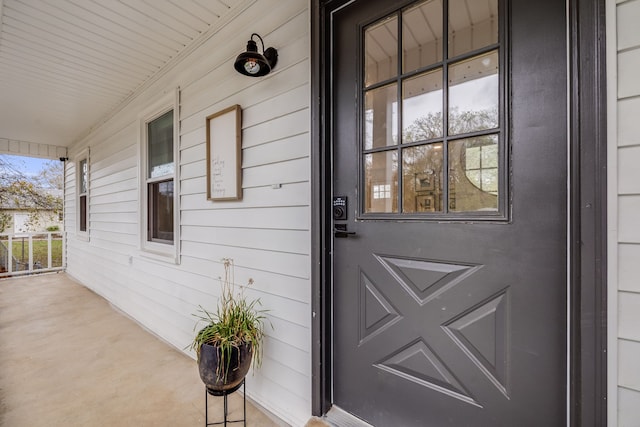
(67, 64)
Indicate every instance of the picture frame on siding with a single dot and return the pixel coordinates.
(224, 154)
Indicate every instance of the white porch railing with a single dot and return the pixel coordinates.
(29, 253)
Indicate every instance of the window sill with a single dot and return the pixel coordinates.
(160, 252)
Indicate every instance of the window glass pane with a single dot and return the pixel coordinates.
(381, 117)
(161, 211)
(473, 25)
(422, 178)
(422, 35)
(84, 173)
(422, 107)
(160, 140)
(381, 182)
(83, 213)
(381, 51)
(474, 94)
(474, 174)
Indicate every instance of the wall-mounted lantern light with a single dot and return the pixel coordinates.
(254, 64)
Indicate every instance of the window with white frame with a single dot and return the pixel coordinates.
(158, 192)
(83, 194)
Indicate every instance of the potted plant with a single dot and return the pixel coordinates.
(230, 339)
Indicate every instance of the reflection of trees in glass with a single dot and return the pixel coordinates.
(430, 126)
(472, 187)
(473, 166)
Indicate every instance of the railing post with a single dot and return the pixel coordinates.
(30, 253)
(10, 261)
(49, 249)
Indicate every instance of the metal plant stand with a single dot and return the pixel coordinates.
(225, 394)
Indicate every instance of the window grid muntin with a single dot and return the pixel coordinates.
(445, 63)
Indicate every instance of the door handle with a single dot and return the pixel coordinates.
(340, 230)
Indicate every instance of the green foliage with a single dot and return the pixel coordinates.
(5, 221)
(20, 190)
(236, 321)
(52, 228)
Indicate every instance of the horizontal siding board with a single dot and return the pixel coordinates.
(290, 406)
(628, 16)
(282, 127)
(114, 227)
(206, 290)
(116, 187)
(629, 315)
(294, 194)
(111, 255)
(129, 161)
(128, 174)
(628, 123)
(123, 196)
(252, 258)
(245, 96)
(294, 241)
(192, 186)
(109, 242)
(295, 288)
(294, 335)
(294, 147)
(277, 262)
(193, 154)
(628, 224)
(193, 170)
(293, 48)
(115, 217)
(628, 170)
(291, 171)
(628, 408)
(284, 218)
(130, 206)
(295, 99)
(120, 154)
(194, 137)
(629, 267)
(628, 358)
(284, 309)
(297, 360)
(628, 66)
(276, 371)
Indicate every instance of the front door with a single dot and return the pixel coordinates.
(449, 148)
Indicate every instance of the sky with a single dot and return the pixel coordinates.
(28, 165)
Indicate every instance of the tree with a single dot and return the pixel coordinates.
(18, 190)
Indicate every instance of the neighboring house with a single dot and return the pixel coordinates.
(484, 275)
(23, 220)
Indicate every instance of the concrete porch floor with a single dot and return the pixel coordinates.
(67, 358)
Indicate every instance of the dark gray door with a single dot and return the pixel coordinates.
(449, 181)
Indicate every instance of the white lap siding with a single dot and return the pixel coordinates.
(623, 218)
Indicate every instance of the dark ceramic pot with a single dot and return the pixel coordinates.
(238, 366)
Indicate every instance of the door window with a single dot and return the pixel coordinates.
(432, 114)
